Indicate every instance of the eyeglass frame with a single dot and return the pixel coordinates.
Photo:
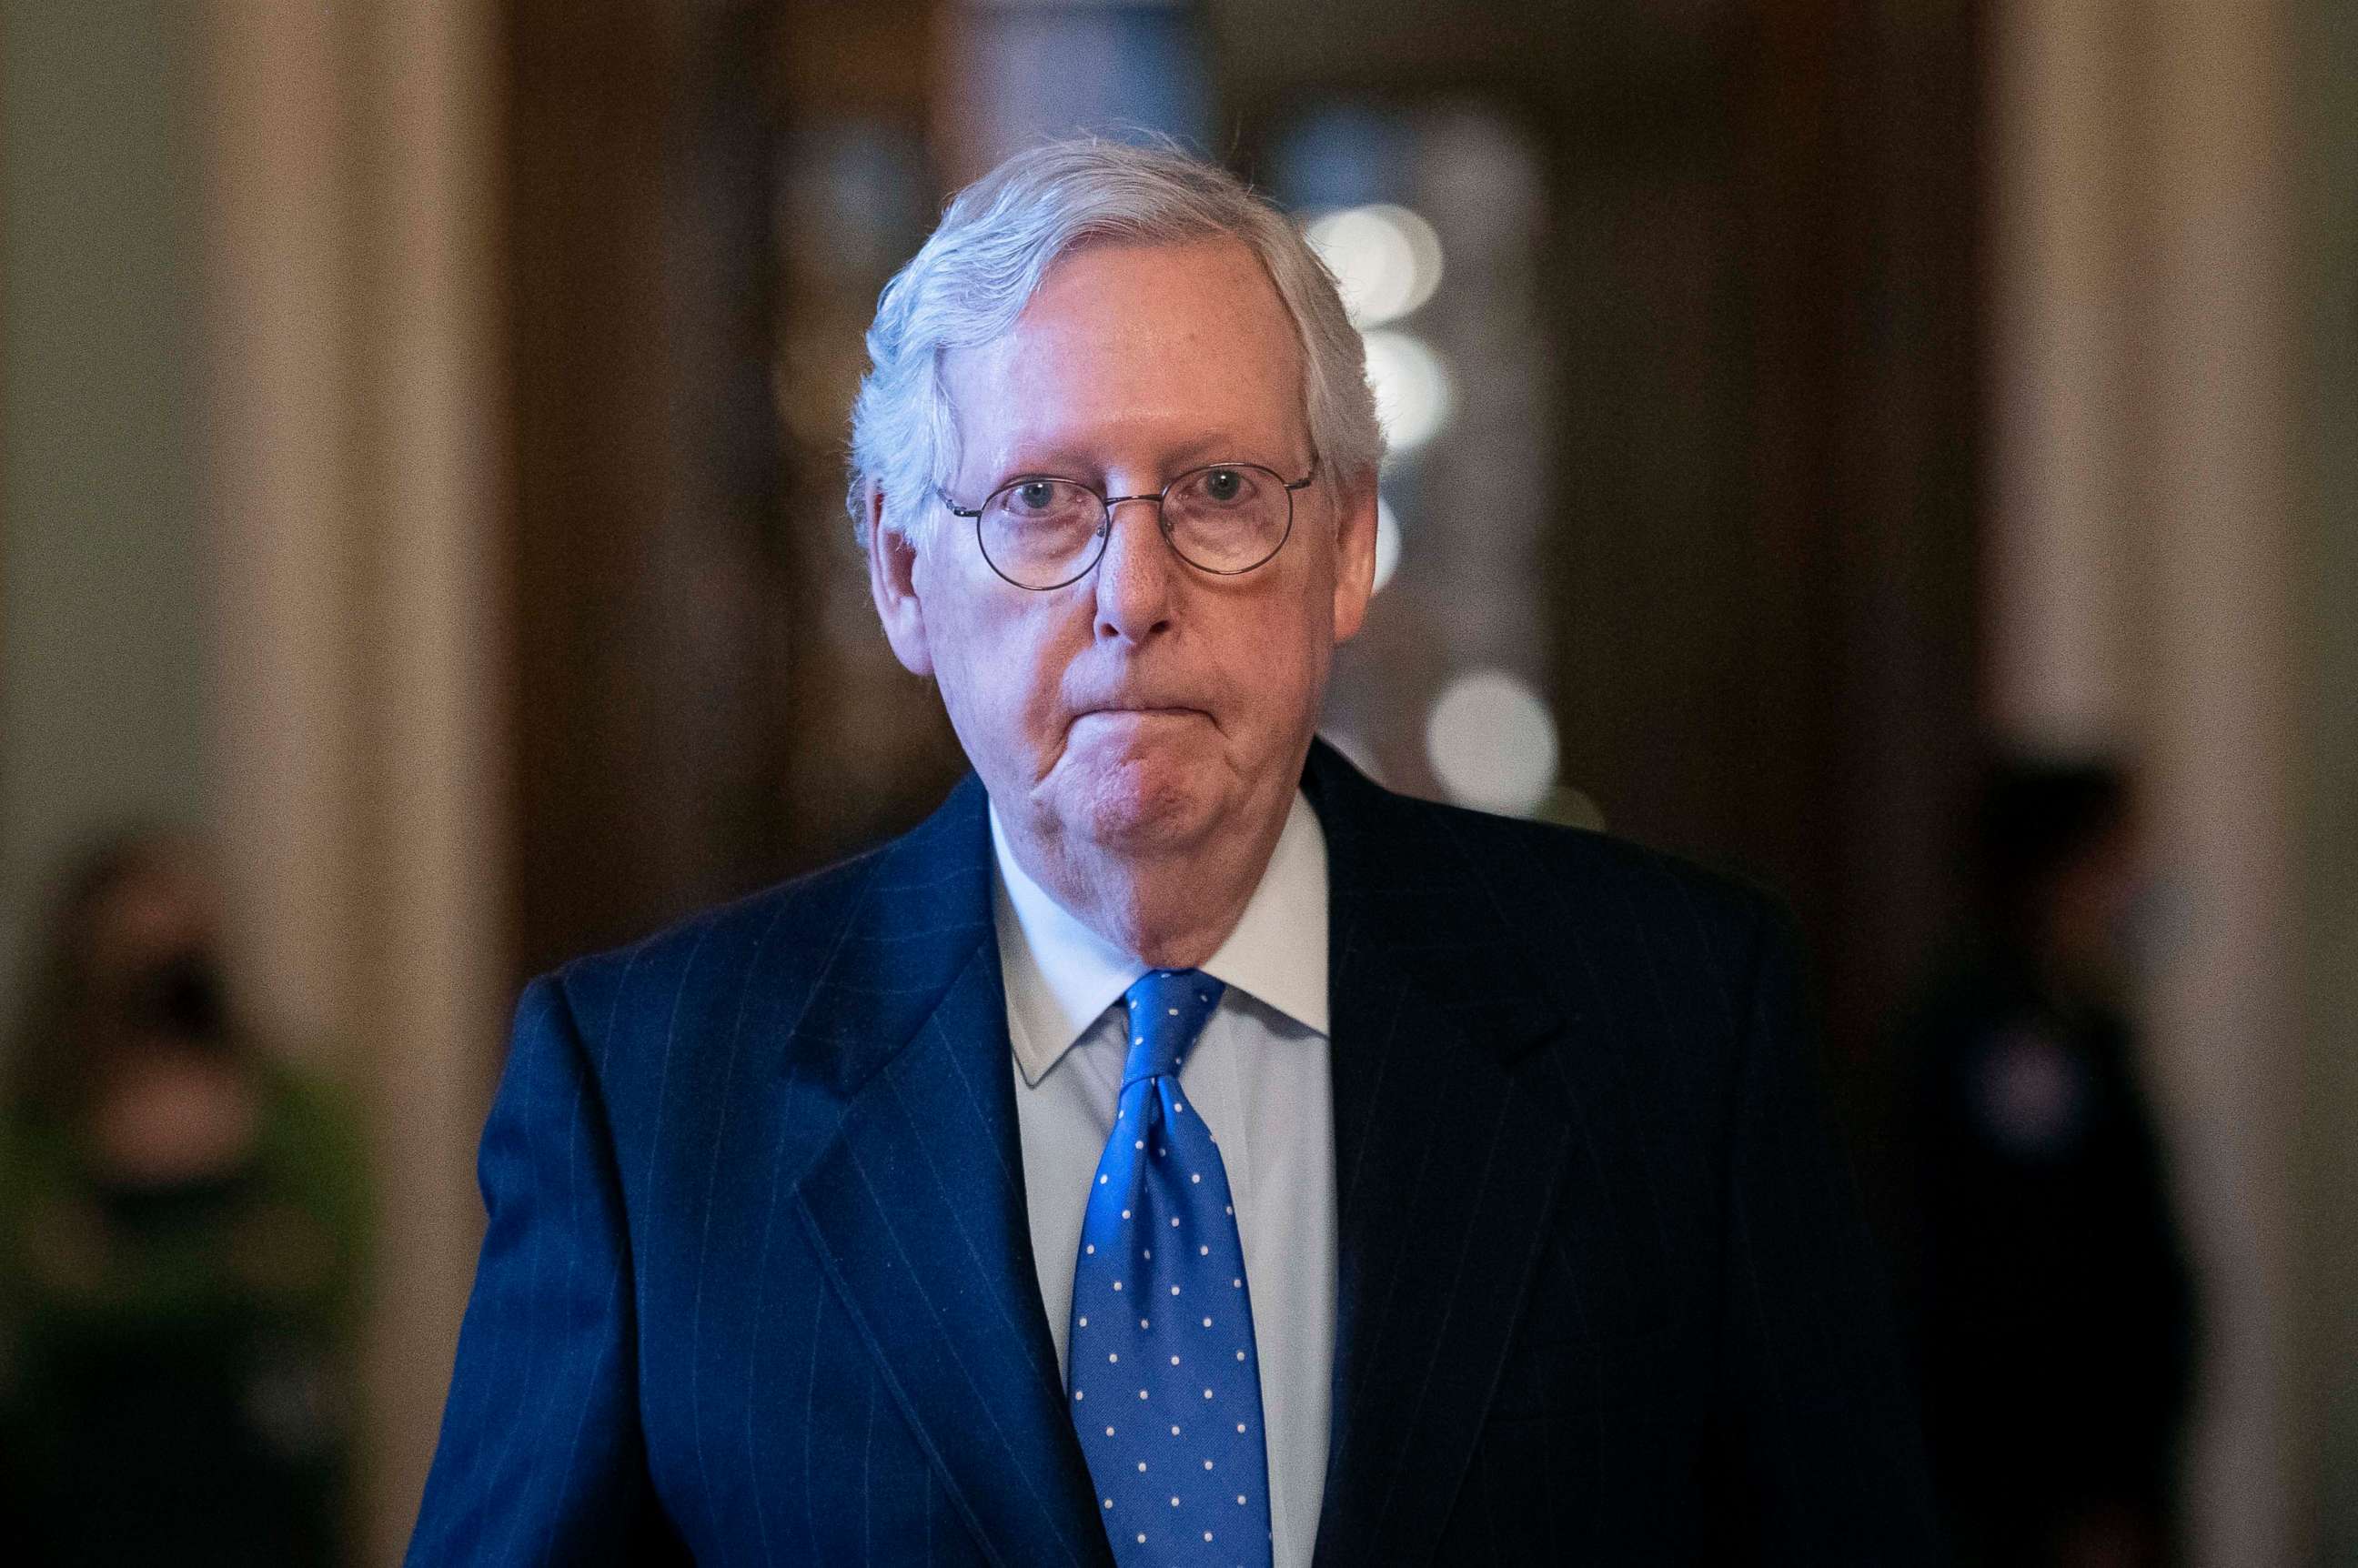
(1105, 523)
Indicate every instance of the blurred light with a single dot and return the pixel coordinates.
(1413, 395)
(1386, 260)
(1388, 544)
(1492, 743)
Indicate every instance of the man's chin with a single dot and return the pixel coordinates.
(1139, 806)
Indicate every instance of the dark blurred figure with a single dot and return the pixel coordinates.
(2054, 1302)
(179, 1225)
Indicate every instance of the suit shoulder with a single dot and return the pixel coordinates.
(785, 917)
(1618, 878)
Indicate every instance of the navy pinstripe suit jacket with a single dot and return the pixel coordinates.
(758, 1286)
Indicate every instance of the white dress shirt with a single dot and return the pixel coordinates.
(1259, 1075)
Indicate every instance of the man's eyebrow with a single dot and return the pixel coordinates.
(1070, 462)
(1223, 445)
(1076, 462)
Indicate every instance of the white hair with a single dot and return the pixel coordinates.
(973, 276)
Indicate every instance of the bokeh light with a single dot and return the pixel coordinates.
(1388, 543)
(1386, 259)
(1414, 393)
(1492, 743)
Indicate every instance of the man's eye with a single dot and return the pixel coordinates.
(1224, 485)
(1035, 495)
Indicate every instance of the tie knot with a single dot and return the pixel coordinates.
(1167, 1010)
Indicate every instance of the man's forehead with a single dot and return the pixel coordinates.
(1190, 335)
(1221, 263)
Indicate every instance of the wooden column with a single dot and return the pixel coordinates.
(353, 370)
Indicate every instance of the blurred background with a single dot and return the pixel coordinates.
(424, 558)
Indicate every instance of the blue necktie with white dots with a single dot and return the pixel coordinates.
(1164, 1380)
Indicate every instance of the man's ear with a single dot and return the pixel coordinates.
(1354, 555)
(893, 578)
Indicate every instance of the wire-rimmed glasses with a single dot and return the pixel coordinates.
(1040, 532)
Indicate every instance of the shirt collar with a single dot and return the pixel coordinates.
(1061, 975)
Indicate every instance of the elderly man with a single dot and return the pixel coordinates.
(1177, 1150)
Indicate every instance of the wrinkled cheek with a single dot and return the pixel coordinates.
(962, 690)
(1285, 690)
(991, 691)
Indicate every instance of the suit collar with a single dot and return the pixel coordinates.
(911, 931)
(1409, 898)
(1452, 1132)
(1404, 899)
(916, 1207)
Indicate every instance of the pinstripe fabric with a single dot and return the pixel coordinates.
(1606, 1299)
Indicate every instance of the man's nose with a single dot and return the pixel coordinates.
(1134, 576)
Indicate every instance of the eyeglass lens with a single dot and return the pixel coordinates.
(1044, 533)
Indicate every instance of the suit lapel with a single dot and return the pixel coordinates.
(1451, 1135)
(1451, 1132)
(917, 1207)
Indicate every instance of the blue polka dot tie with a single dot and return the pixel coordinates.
(1165, 1383)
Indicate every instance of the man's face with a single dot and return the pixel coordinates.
(1149, 704)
